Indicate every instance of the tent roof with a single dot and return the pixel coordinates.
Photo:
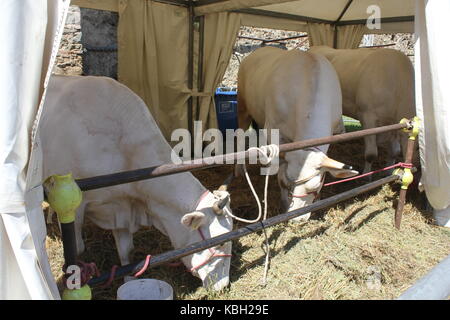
(331, 10)
(325, 10)
(352, 11)
(396, 16)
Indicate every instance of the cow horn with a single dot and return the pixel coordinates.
(333, 164)
(220, 204)
(226, 183)
(223, 187)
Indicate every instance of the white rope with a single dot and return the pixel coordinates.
(268, 153)
(266, 263)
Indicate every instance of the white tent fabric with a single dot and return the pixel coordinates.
(30, 32)
(325, 10)
(251, 20)
(433, 102)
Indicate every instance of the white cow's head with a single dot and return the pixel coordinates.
(301, 176)
(210, 219)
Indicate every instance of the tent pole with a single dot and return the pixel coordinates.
(201, 49)
(382, 20)
(191, 72)
(64, 196)
(335, 35)
(407, 177)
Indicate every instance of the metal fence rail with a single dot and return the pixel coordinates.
(232, 235)
(70, 195)
(168, 169)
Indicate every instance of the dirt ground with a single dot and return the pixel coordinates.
(349, 251)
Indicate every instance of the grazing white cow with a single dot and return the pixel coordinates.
(94, 126)
(299, 94)
(377, 89)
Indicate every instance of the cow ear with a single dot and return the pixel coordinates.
(342, 173)
(338, 169)
(193, 220)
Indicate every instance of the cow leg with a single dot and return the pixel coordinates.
(370, 144)
(244, 118)
(340, 128)
(394, 150)
(124, 244)
(244, 121)
(390, 140)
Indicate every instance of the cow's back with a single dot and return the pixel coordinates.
(94, 126)
(102, 121)
(288, 89)
(373, 77)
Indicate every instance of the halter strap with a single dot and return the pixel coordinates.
(213, 252)
(315, 193)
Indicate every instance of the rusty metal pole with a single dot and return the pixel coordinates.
(214, 161)
(239, 233)
(190, 82)
(408, 177)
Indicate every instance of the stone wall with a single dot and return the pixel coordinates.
(89, 43)
(99, 42)
(69, 60)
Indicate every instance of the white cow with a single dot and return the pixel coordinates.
(299, 94)
(94, 126)
(377, 89)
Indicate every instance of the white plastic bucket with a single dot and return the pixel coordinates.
(145, 289)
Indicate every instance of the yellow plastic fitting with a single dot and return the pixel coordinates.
(64, 196)
(84, 293)
(414, 131)
(407, 178)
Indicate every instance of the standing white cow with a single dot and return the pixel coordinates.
(299, 94)
(94, 126)
(377, 89)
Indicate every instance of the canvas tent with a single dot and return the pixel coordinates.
(173, 53)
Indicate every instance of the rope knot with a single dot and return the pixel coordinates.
(268, 153)
(405, 165)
